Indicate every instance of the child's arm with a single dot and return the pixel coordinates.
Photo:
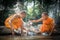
(37, 20)
(10, 23)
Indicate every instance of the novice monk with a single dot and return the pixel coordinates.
(48, 23)
(15, 22)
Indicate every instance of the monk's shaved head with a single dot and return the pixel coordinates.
(45, 13)
(23, 12)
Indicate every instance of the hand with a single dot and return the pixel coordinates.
(32, 20)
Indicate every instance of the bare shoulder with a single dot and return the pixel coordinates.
(15, 15)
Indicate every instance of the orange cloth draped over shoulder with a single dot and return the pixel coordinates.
(47, 25)
(16, 22)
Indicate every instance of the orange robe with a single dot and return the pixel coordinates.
(47, 25)
(16, 22)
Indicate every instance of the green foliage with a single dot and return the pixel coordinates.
(33, 9)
